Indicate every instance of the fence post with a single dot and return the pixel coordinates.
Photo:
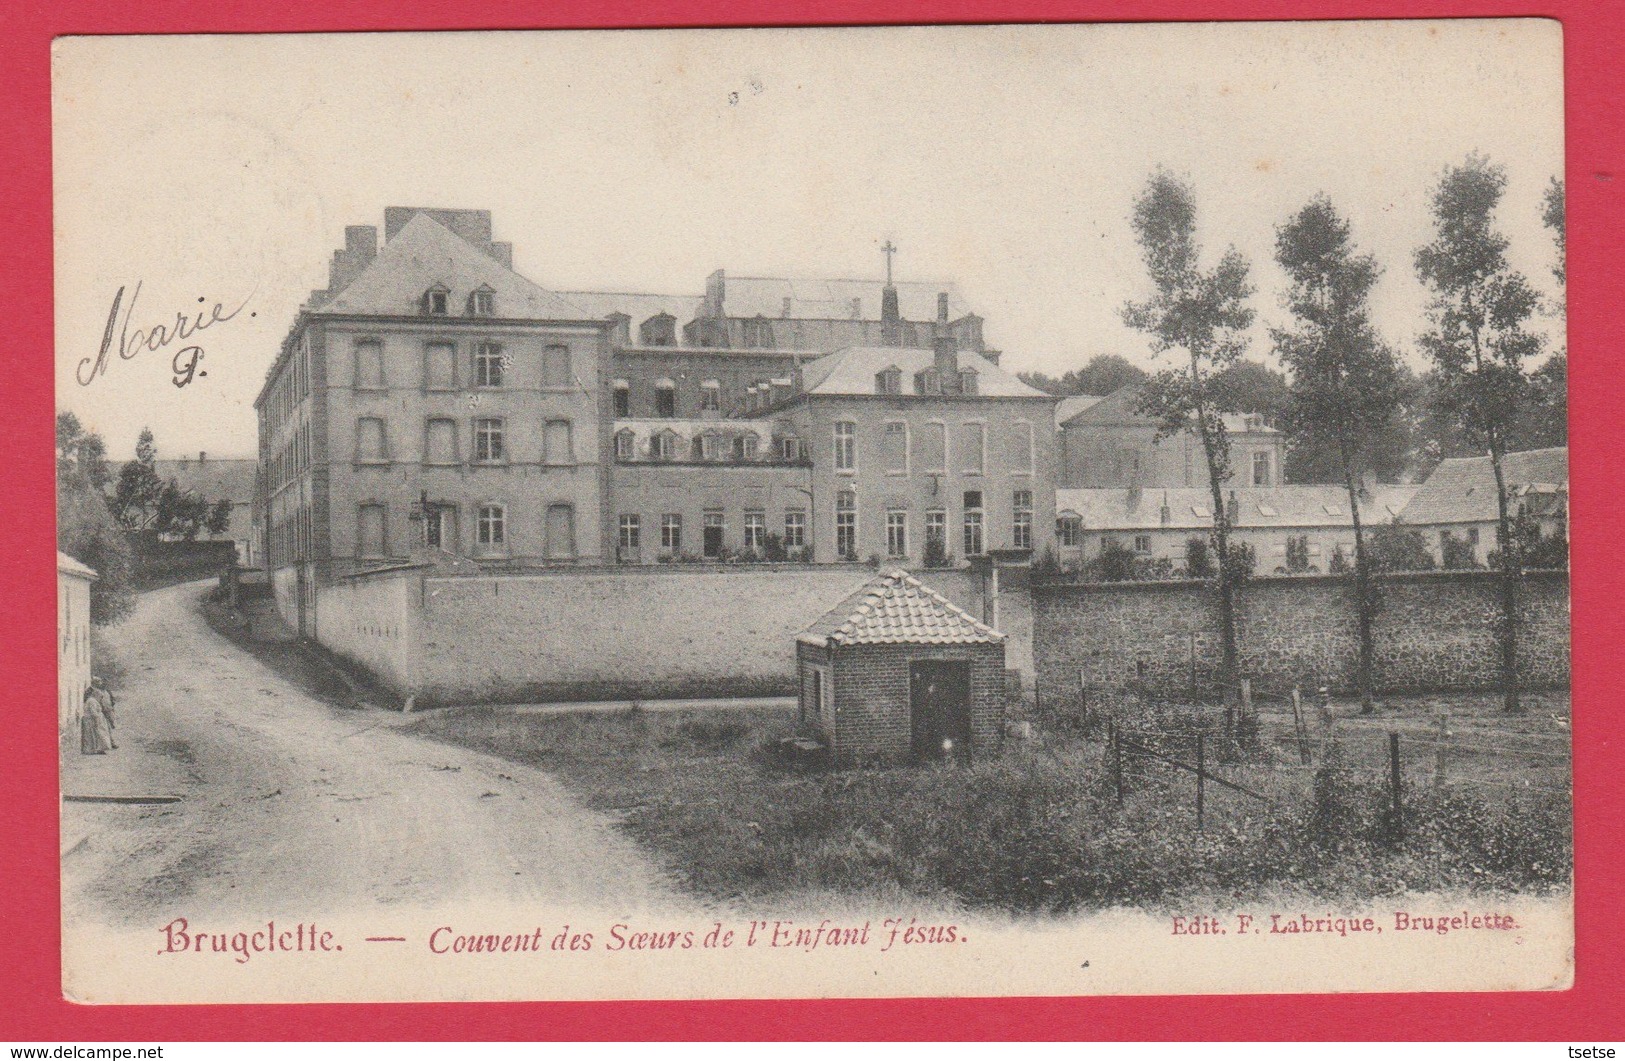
(1439, 737)
(1246, 697)
(1298, 726)
(1393, 781)
(1117, 760)
(1192, 638)
(1201, 776)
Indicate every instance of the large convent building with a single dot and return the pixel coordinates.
(432, 404)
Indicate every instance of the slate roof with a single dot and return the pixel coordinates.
(897, 608)
(424, 253)
(1074, 404)
(69, 565)
(751, 296)
(1462, 489)
(213, 478)
(1190, 508)
(638, 305)
(853, 370)
(1121, 407)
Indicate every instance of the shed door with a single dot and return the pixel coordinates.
(939, 709)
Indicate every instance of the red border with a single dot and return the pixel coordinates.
(30, 1004)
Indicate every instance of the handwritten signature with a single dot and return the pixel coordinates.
(185, 362)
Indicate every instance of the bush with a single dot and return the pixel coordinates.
(1395, 547)
(1198, 558)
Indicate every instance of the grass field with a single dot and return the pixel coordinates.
(1040, 828)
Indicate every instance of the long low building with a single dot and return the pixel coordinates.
(1156, 524)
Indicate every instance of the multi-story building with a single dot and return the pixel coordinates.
(216, 479)
(1108, 443)
(432, 398)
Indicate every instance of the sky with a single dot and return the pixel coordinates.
(223, 170)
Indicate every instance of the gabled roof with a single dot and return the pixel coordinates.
(753, 296)
(69, 566)
(212, 478)
(853, 370)
(1462, 489)
(1072, 405)
(897, 608)
(1191, 508)
(424, 253)
(1122, 408)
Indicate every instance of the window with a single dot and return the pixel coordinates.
(790, 449)
(561, 532)
(795, 529)
(894, 448)
(488, 440)
(936, 528)
(440, 442)
(896, 533)
(973, 445)
(1021, 447)
(623, 398)
(710, 396)
(931, 447)
(440, 527)
(755, 529)
(712, 545)
(889, 381)
(440, 366)
(435, 300)
(488, 365)
(666, 399)
(973, 523)
(630, 531)
(845, 442)
(1021, 529)
(1261, 468)
(482, 303)
(1472, 535)
(625, 446)
(560, 448)
(671, 531)
(711, 447)
(749, 446)
(665, 446)
(492, 529)
(370, 447)
(1142, 544)
(369, 364)
(370, 532)
(846, 525)
(556, 366)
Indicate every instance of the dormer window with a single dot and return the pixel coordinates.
(624, 445)
(926, 382)
(436, 300)
(482, 302)
(889, 380)
(967, 381)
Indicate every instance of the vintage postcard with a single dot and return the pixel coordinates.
(918, 511)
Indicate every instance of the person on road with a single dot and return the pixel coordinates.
(105, 700)
(95, 735)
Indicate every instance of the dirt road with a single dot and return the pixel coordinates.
(290, 804)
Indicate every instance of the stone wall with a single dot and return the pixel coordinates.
(593, 633)
(1436, 631)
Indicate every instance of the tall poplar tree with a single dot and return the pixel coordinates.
(1200, 315)
(1347, 386)
(1480, 344)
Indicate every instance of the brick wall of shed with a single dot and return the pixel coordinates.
(1436, 631)
(872, 711)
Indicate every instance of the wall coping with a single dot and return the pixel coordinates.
(666, 570)
(1152, 585)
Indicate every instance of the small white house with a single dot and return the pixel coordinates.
(73, 581)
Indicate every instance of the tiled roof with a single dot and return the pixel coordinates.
(69, 565)
(1122, 406)
(752, 296)
(897, 608)
(1462, 489)
(424, 253)
(1191, 508)
(853, 370)
(213, 478)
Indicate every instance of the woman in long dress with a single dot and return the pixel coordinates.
(95, 737)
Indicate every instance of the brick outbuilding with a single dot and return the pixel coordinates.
(896, 673)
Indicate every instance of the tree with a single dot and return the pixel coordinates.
(1479, 344)
(1102, 374)
(1346, 383)
(135, 499)
(219, 520)
(179, 512)
(1551, 215)
(1199, 314)
(1253, 387)
(85, 529)
(1396, 547)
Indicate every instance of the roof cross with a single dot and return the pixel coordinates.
(888, 250)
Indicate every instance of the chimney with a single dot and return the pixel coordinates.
(202, 455)
(945, 349)
(784, 311)
(891, 318)
(503, 252)
(620, 326)
(1232, 509)
(361, 243)
(1167, 514)
(857, 309)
